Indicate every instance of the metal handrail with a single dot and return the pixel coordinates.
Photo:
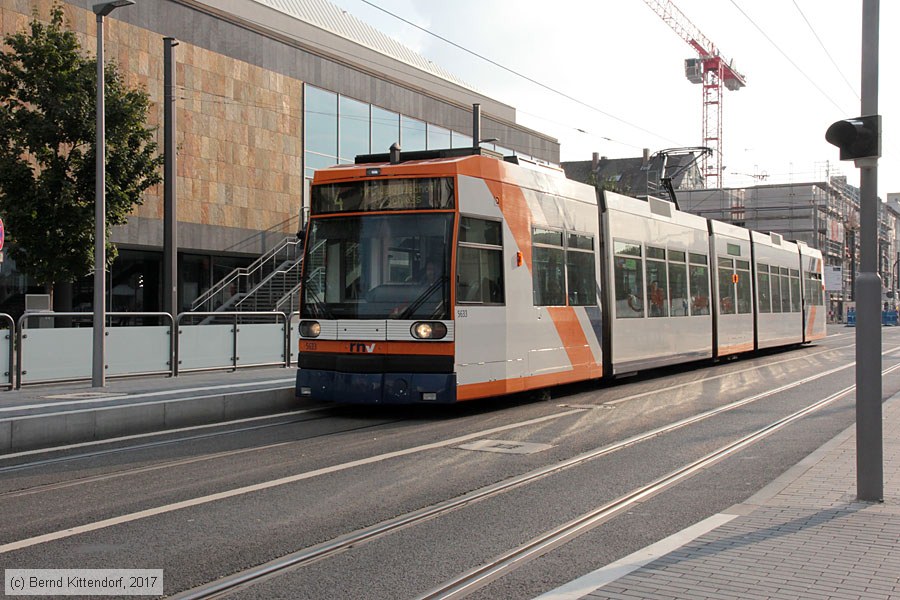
(23, 320)
(243, 271)
(235, 315)
(284, 272)
(289, 295)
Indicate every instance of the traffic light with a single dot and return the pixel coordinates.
(857, 138)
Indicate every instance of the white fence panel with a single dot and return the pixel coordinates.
(260, 344)
(137, 350)
(205, 346)
(294, 338)
(57, 354)
(4, 355)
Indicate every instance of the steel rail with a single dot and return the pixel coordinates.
(226, 585)
(512, 560)
(251, 428)
(47, 487)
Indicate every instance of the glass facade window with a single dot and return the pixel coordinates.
(321, 125)
(354, 129)
(412, 134)
(385, 129)
(459, 140)
(438, 137)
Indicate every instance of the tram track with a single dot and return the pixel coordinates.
(476, 578)
(178, 463)
(281, 423)
(482, 575)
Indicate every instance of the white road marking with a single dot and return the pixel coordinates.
(143, 514)
(586, 584)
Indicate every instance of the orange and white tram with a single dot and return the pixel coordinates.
(442, 276)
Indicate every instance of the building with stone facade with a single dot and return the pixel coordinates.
(267, 92)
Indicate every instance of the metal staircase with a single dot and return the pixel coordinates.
(271, 282)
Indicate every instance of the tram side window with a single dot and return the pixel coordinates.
(699, 272)
(479, 276)
(678, 283)
(785, 290)
(795, 291)
(726, 286)
(582, 283)
(764, 295)
(744, 298)
(657, 283)
(627, 271)
(814, 289)
(776, 289)
(548, 260)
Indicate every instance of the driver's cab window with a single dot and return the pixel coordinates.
(479, 278)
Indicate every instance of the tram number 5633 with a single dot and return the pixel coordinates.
(462, 313)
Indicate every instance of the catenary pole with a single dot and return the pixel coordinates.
(98, 374)
(170, 202)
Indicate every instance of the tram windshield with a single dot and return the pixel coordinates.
(378, 267)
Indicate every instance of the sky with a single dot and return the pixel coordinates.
(624, 68)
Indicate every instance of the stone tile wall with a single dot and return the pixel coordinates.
(238, 125)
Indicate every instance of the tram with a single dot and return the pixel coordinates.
(450, 275)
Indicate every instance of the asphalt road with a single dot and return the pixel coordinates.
(207, 507)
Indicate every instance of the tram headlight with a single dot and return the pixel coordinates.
(428, 330)
(310, 329)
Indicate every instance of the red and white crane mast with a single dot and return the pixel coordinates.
(713, 72)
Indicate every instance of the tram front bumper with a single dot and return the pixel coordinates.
(376, 388)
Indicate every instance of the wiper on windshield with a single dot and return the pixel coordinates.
(420, 300)
(321, 307)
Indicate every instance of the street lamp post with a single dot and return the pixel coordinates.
(98, 374)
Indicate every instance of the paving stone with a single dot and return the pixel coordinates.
(811, 540)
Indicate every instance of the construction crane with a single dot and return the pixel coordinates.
(713, 72)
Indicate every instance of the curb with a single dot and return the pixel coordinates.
(29, 432)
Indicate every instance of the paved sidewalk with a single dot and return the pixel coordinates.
(803, 536)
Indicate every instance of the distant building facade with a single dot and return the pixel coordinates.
(639, 176)
(268, 91)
